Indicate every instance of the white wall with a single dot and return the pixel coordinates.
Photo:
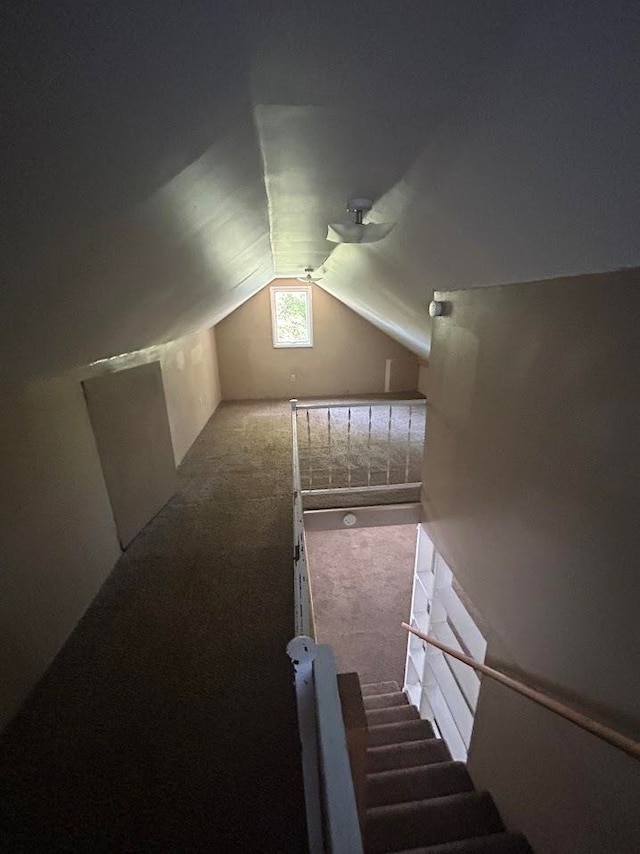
(500, 137)
(134, 203)
(530, 489)
(532, 172)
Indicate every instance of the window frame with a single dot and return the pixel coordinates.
(307, 290)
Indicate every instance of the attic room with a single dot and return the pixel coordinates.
(163, 168)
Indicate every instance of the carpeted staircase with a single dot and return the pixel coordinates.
(419, 801)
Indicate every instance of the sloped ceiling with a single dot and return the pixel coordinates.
(161, 165)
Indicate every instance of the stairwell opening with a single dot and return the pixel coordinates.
(366, 581)
(362, 582)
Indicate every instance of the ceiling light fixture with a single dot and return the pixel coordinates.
(309, 278)
(358, 231)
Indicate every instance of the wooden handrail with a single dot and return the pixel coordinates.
(628, 745)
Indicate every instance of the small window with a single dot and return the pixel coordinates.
(291, 317)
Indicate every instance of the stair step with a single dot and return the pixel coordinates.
(418, 783)
(373, 688)
(407, 754)
(430, 822)
(495, 843)
(392, 715)
(414, 730)
(385, 701)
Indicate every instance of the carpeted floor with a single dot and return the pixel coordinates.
(361, 581)
(167, 722)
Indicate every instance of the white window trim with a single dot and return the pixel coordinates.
(274, 289)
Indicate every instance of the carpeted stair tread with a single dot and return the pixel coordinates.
(417, 783)
(371, 689)
(407, 754)
(385, 701)
(395, 714)
(495, 843)
(430, 822)
(412, 730)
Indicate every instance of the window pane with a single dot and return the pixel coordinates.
(292, 325)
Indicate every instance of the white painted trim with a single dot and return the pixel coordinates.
(303, 600)
(421, 595)
(345, 490)
(444, 720)
(339, 797)
(449, 689)
(276, 289)
(463, 624)
(453, 696)
(387, 375)
(353, 404)
(302, 652)
(372, 516)
(467, 679)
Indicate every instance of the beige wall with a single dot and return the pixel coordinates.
(423, 369)
(567, 790)
(57, 530)
(147, 408)
(190, 377)
(401, 374)
(531, 492)
(191, 386)
(58, 536)
(348, 354)
(128, 414)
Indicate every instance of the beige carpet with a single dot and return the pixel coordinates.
(361, 581)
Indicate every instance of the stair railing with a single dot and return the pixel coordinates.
(330, 802)
(361, 445)
(303, 603)
(617, 739)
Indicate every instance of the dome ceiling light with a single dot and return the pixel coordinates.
(358, 231)
(309, 278)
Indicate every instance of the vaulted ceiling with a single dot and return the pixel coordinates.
(161, 165)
